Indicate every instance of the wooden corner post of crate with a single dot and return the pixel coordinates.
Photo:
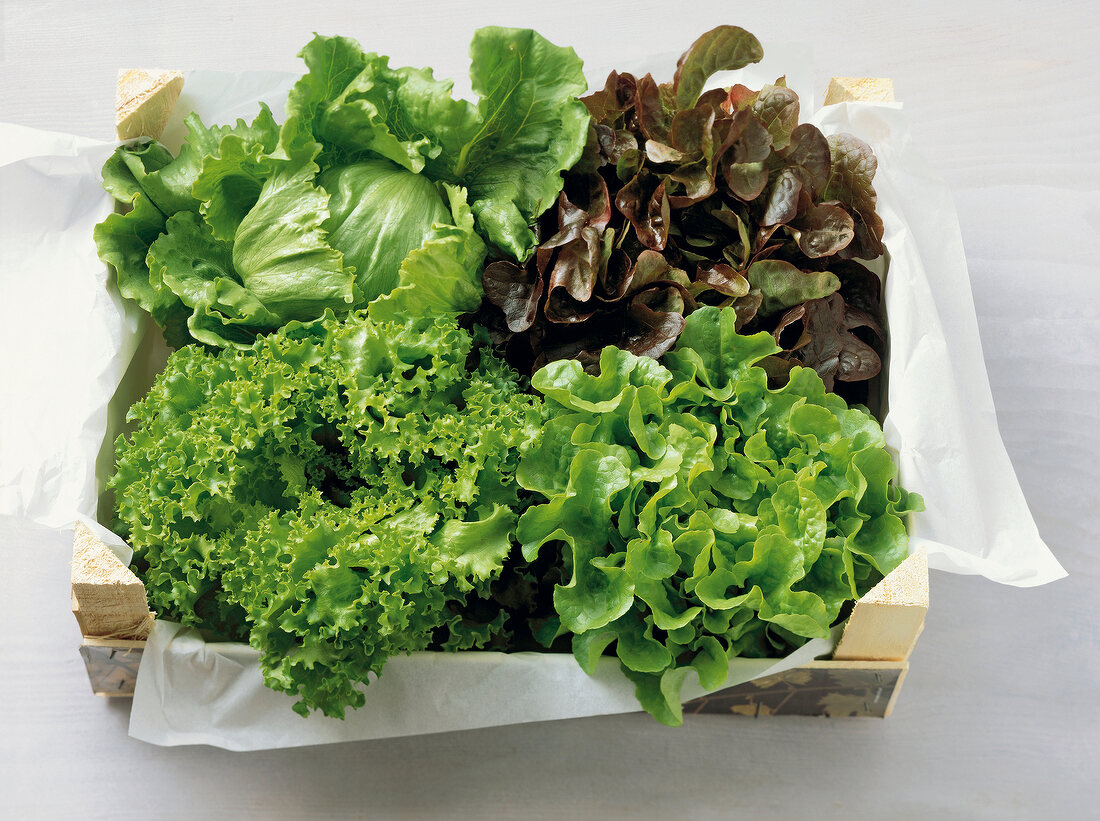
(110, 606)
(865, 674)
(144, 99)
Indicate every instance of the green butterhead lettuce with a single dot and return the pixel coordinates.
(508, 150)
(380, 212)
(154, 185)
(444, 274)
(705, 516)
(356, 104)
(257, 225)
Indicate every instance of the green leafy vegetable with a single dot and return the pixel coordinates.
(333, 494)
(725, 48)
(507, 150)
(372, 166)
(381, 213)
(702, 515)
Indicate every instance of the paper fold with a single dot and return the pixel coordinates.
(67, 336)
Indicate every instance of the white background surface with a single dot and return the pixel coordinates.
(999, 716)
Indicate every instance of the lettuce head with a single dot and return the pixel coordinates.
(378, 186)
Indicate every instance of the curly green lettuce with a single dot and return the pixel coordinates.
(701, 515)
(332, 494)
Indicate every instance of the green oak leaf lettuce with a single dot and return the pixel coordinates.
(703, 515)
(332, 494)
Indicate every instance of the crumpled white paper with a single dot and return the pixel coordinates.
(67, 338)
(194, 692)
(941, 424)
(941, 420)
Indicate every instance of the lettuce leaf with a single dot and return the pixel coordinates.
(444, 274)
(355, 103)
(153, 185)
(703, 515)
(324, 211)
(332, 494)
(507, 150)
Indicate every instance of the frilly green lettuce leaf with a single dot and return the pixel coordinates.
(123, 241)
(565, 382)
(186, 260)
(230, 183)
(478, 548)
(331, 494)
(702, 515)
(713, 355)
(174, 181)
(128, 168)
(155, 186)
(355, 103)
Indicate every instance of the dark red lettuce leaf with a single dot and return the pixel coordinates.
(776, 106)
(643, 202)
(781, 205)
(860, 287)
(722, 278)
(515, 291)
(825, 340)
(821, 230)
(614, 99)
(853, 167)
(654, 118)
(808, 156)
(686, 198)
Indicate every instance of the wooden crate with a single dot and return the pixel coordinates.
(862, 679)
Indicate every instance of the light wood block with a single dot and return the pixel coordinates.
(108, 599)
(861, 89)
(886, 623)
(144, 99)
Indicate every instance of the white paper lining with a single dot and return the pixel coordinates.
(66, 337)
(941, 424)
(194, 692)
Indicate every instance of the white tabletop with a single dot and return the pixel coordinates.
(998, 717)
